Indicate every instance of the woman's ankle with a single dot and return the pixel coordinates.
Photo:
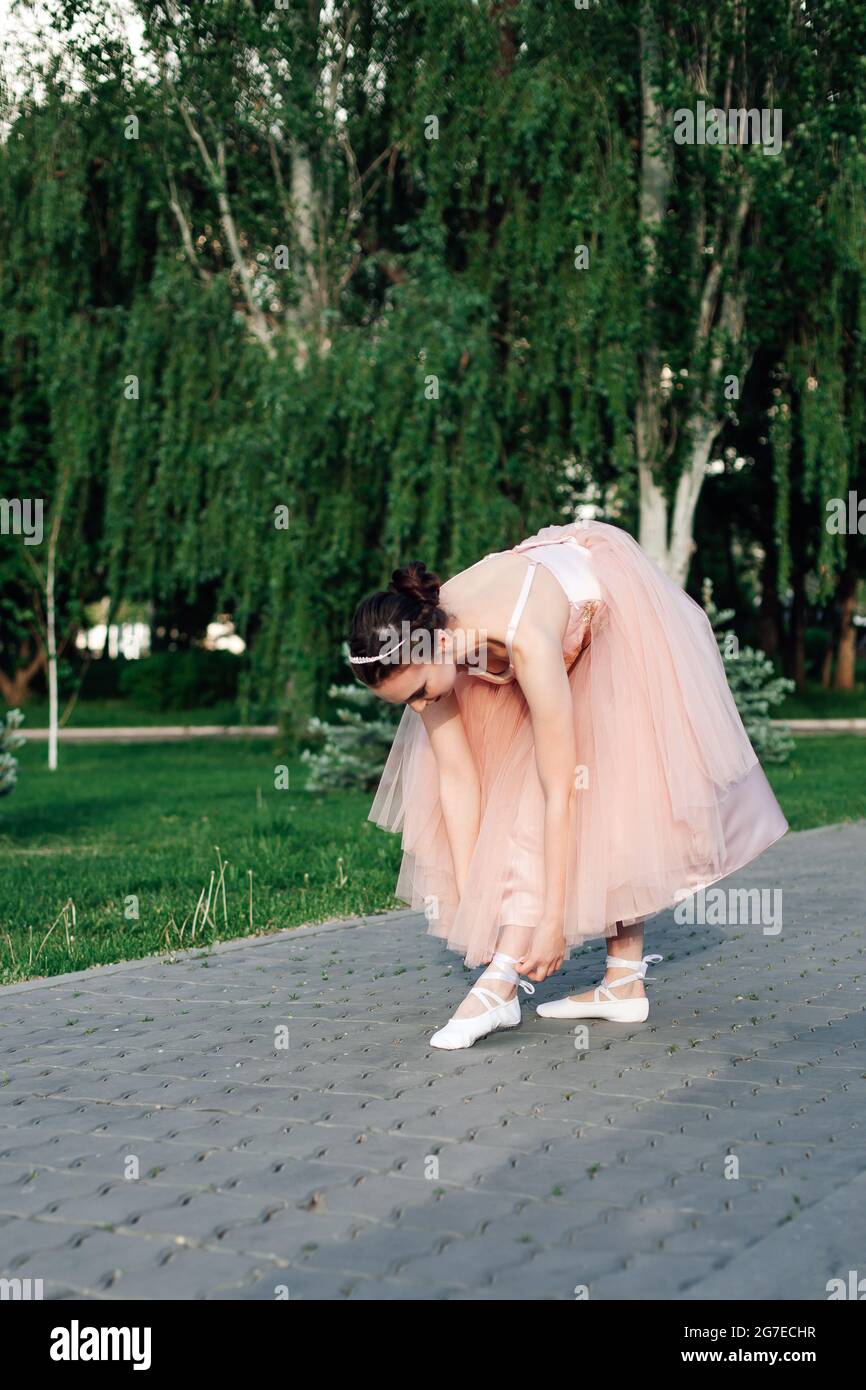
(472, 1005)
(506, 989)
(634, 989)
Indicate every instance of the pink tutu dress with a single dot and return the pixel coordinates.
(670, 794)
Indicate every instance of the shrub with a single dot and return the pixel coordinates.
(181, 680)
(10, 740)
(102, 678)
(352, 752)
(755, 686)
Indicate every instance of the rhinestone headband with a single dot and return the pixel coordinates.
(357, 660)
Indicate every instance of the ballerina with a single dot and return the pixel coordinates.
(570, 761)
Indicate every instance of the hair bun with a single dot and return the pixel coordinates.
(417, 582)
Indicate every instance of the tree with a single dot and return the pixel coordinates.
(350, 752)
(709, 208)
(404, 278)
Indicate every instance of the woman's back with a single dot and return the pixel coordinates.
(555, 599)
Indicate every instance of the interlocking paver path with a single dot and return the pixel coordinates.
(359, 1163)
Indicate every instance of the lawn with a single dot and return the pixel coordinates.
(152, 823)
(96, 714)
(814, 702)
(145, 821)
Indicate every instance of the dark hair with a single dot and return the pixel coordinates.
(412, 597)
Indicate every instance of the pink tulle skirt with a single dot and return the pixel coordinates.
(671, 796)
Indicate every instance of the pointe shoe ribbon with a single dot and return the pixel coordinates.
(499, 1013)
(610, 1008)
(637, 967)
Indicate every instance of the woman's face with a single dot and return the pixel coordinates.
(420, 683)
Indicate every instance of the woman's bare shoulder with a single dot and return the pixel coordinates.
(486, 593)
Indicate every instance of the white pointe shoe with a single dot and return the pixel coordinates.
(500, 1013)
(612, 1009)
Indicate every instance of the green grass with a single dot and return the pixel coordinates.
(95, 714)
(122, 820)
(817, 703)
(824, 782)
(813, 703)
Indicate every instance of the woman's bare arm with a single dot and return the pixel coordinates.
(544, 681)
(459, 784)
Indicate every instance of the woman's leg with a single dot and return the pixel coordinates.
(513, 941)
(628, 944)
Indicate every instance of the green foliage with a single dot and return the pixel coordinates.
(100, 678)
(181, 680)
(754, 684)
(10, 740)
(450, 258)
(351, 753)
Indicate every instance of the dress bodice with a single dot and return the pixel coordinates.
(571, 565)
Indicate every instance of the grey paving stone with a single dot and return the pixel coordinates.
(250, 1135)
(362, 1164)
(456, 1211)
(797, 1258)
(553, 1275)
(95, 1258)
(666, 1275)
(189, 1274)
(55, 1291)
(568, 1273)
(41, 1190)
(426, 1292)
(471, 1262)
(25, 1239)
(290, 1235)
(377, 1252)
(305, 1284)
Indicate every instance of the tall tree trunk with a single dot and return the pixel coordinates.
(846, 646)
(654, 184)
(312, 293)
(653, 520)
(720, 320)
(51, 644)
(501, 12)
(15, 689)
(769, 620)
(795, 655)
(702, 432)
(827, 665)
(51, 617)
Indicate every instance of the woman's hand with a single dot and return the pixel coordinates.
(546, 953)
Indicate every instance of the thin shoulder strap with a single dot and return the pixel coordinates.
(519, 607)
